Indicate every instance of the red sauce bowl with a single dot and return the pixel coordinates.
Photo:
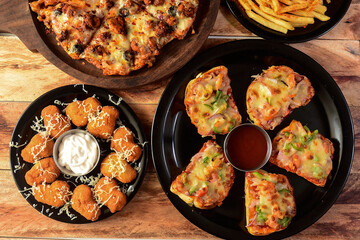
(247, 147)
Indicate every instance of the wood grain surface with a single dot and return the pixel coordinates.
(25, 75)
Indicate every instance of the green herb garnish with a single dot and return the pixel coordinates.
(192, 190)
(284, 190)
(205, 159)
(209, 106)
(284, 222)
(261, 217)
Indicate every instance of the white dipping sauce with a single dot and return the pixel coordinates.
(78, 152)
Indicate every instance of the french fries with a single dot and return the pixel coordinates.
(285, 15)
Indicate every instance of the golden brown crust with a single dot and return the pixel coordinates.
(269, 201)
(56, 194)
(108, 193)
(210, 104)
(104, 124)
(80, 111)
(38, 147)
(299, 155)
(123, 142)
(207, 180)
(115, 166)
(55, 122)
(84, 203)
(44, 171)
(275, 93)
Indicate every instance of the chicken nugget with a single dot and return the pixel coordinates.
(123, 142)
(108, 193)
(56, 194)
(84, 203)
(44, 170)
(116, 166)
(38, 147)
(81, 111)
(104, 124)
(55, 122)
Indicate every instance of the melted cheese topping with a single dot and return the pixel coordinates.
(270, 203)
(207, 179)
(306, 153)
(273, 94)
(209, 102)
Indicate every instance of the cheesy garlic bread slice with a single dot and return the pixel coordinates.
(275, 93)
(209, 102)
(207, 180)
(269, 200)
(306, 153)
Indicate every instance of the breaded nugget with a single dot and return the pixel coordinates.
(44, 170)
(84, 203)
(123, 142)
(104, 124)
(38, 147)
(55, 122)
(116, 166)
(80, 111)
(56, 194)
(109, 194)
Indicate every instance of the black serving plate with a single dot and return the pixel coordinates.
(175, 140)
(335, 10)
(23, 133)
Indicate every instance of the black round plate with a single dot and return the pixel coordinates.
(335, 10)
(175, 140)
(23, 133)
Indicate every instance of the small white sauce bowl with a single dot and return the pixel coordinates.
(56, 152)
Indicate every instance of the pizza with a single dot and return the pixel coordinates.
(207, 180)
(269, 201)
(275, 93)
(117, 36)
(304, 152)
(210, 104)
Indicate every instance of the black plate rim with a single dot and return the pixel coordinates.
(223, 49)
(90, 88)
(272, 35)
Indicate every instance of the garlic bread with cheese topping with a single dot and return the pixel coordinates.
(210, 104)
(304, 152)
(207, 180)
(269, 200)
(275, 93)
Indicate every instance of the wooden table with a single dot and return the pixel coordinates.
(25, 76)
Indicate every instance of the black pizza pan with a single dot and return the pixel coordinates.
(175, 140)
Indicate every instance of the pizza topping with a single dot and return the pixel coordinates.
(306, 153)
(207, 179)
(275, 93)
(209, 102)
(270, 203)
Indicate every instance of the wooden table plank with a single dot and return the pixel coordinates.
(340, 58)
(159, 218)
(26, 75)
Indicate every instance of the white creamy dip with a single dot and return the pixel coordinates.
(78, 152)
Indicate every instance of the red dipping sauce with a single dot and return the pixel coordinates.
(247, 147)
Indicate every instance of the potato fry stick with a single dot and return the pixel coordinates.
(265, 22)
(276, 5)
(312, 5)
(320, 9)
(291, 8)
(321, 17)
(288, 17)
(280, 22)
(298, 24)
(303, 13)
(245, 5)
